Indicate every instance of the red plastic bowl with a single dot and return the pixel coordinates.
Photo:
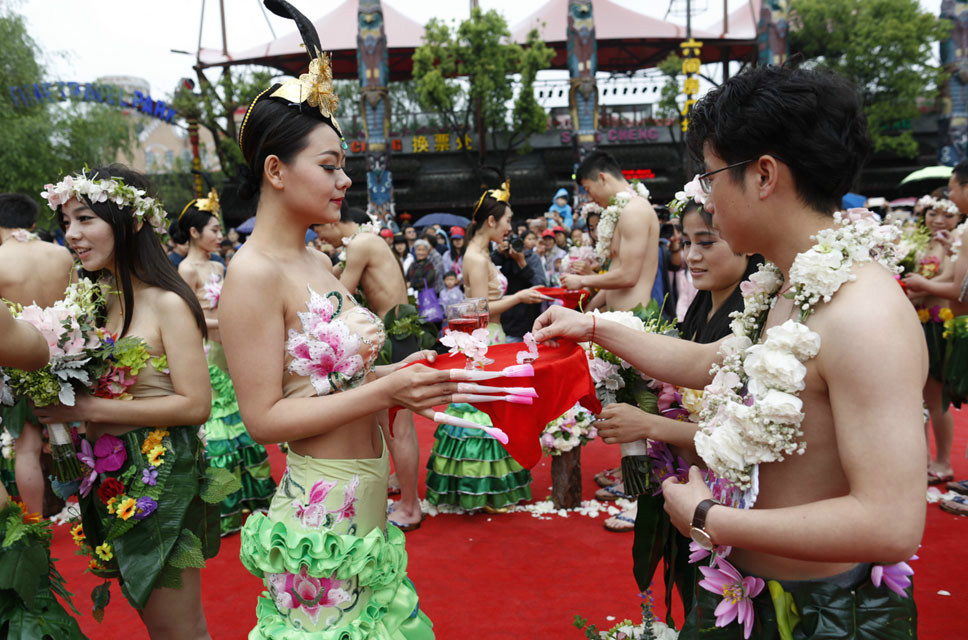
(570, 298)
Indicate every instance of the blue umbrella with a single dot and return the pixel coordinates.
(853, 200)
(247, 226)
(443, 219)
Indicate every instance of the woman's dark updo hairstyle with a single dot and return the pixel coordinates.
(273, 127)
(137, 252)
(191, 218)
(488, 206)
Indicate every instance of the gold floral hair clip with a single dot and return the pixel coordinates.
(503, 194)
(314, 88)
(208, 205)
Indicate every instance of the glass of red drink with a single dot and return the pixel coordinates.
(481, 314)
(462, 316)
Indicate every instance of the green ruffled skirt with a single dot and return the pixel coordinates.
(183, 529)
(29, 609)
(332, 566)
(470, 469)
(229, 446)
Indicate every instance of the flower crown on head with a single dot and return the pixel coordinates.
(691, 191)
(314, 88)
(939, 203)
(113, 190)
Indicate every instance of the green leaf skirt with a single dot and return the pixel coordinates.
(182, 532)
(29, 609)
(956, 362)
(812, 610)
(229, 446)
(470, 469)
(937, 347)
(332, 566)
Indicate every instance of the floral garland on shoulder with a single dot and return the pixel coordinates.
(368, 227)
(610, 215)
(751, 410)
(23, 235)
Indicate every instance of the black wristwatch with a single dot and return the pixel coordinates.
(698, 529)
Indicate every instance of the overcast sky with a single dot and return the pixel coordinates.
(85, 40)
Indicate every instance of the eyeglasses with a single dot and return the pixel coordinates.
(707, 184)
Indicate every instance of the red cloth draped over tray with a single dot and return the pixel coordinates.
(561, 379)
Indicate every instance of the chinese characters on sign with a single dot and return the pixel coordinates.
(429, 143)
(691, 50)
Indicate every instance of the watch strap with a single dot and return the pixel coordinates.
(699, 517)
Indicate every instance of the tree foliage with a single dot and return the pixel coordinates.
(884, 46)
(214, 105)
(43, 141)
(458, 70)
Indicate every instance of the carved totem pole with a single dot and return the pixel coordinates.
(374, 71)
(771, 33)
(582, 67)
(953, 109)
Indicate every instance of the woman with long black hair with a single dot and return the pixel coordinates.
(149, 442)
(227, 444)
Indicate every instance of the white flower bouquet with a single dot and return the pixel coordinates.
(575, 428)
(617, 381)
(74, 340)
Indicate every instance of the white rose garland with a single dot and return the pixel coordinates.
(751, 413)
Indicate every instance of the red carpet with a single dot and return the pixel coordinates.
(513, 576)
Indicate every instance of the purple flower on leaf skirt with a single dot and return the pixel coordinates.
(894, 576)
(737, 593)
(110, 453)
(146, 506)
(149, 476)
(86, 456)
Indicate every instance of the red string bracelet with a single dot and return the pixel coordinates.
(593, 328)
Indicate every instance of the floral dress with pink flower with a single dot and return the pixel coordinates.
(331, 564)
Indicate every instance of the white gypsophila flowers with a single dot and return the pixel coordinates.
(751, 413)
(610, 216)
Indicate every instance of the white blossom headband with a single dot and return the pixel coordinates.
(111, 189)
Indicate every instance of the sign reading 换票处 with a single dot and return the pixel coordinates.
(27, 95)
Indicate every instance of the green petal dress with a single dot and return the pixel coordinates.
(333, 568)
(229, 446)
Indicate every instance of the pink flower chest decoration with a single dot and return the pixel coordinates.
(334, 349)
